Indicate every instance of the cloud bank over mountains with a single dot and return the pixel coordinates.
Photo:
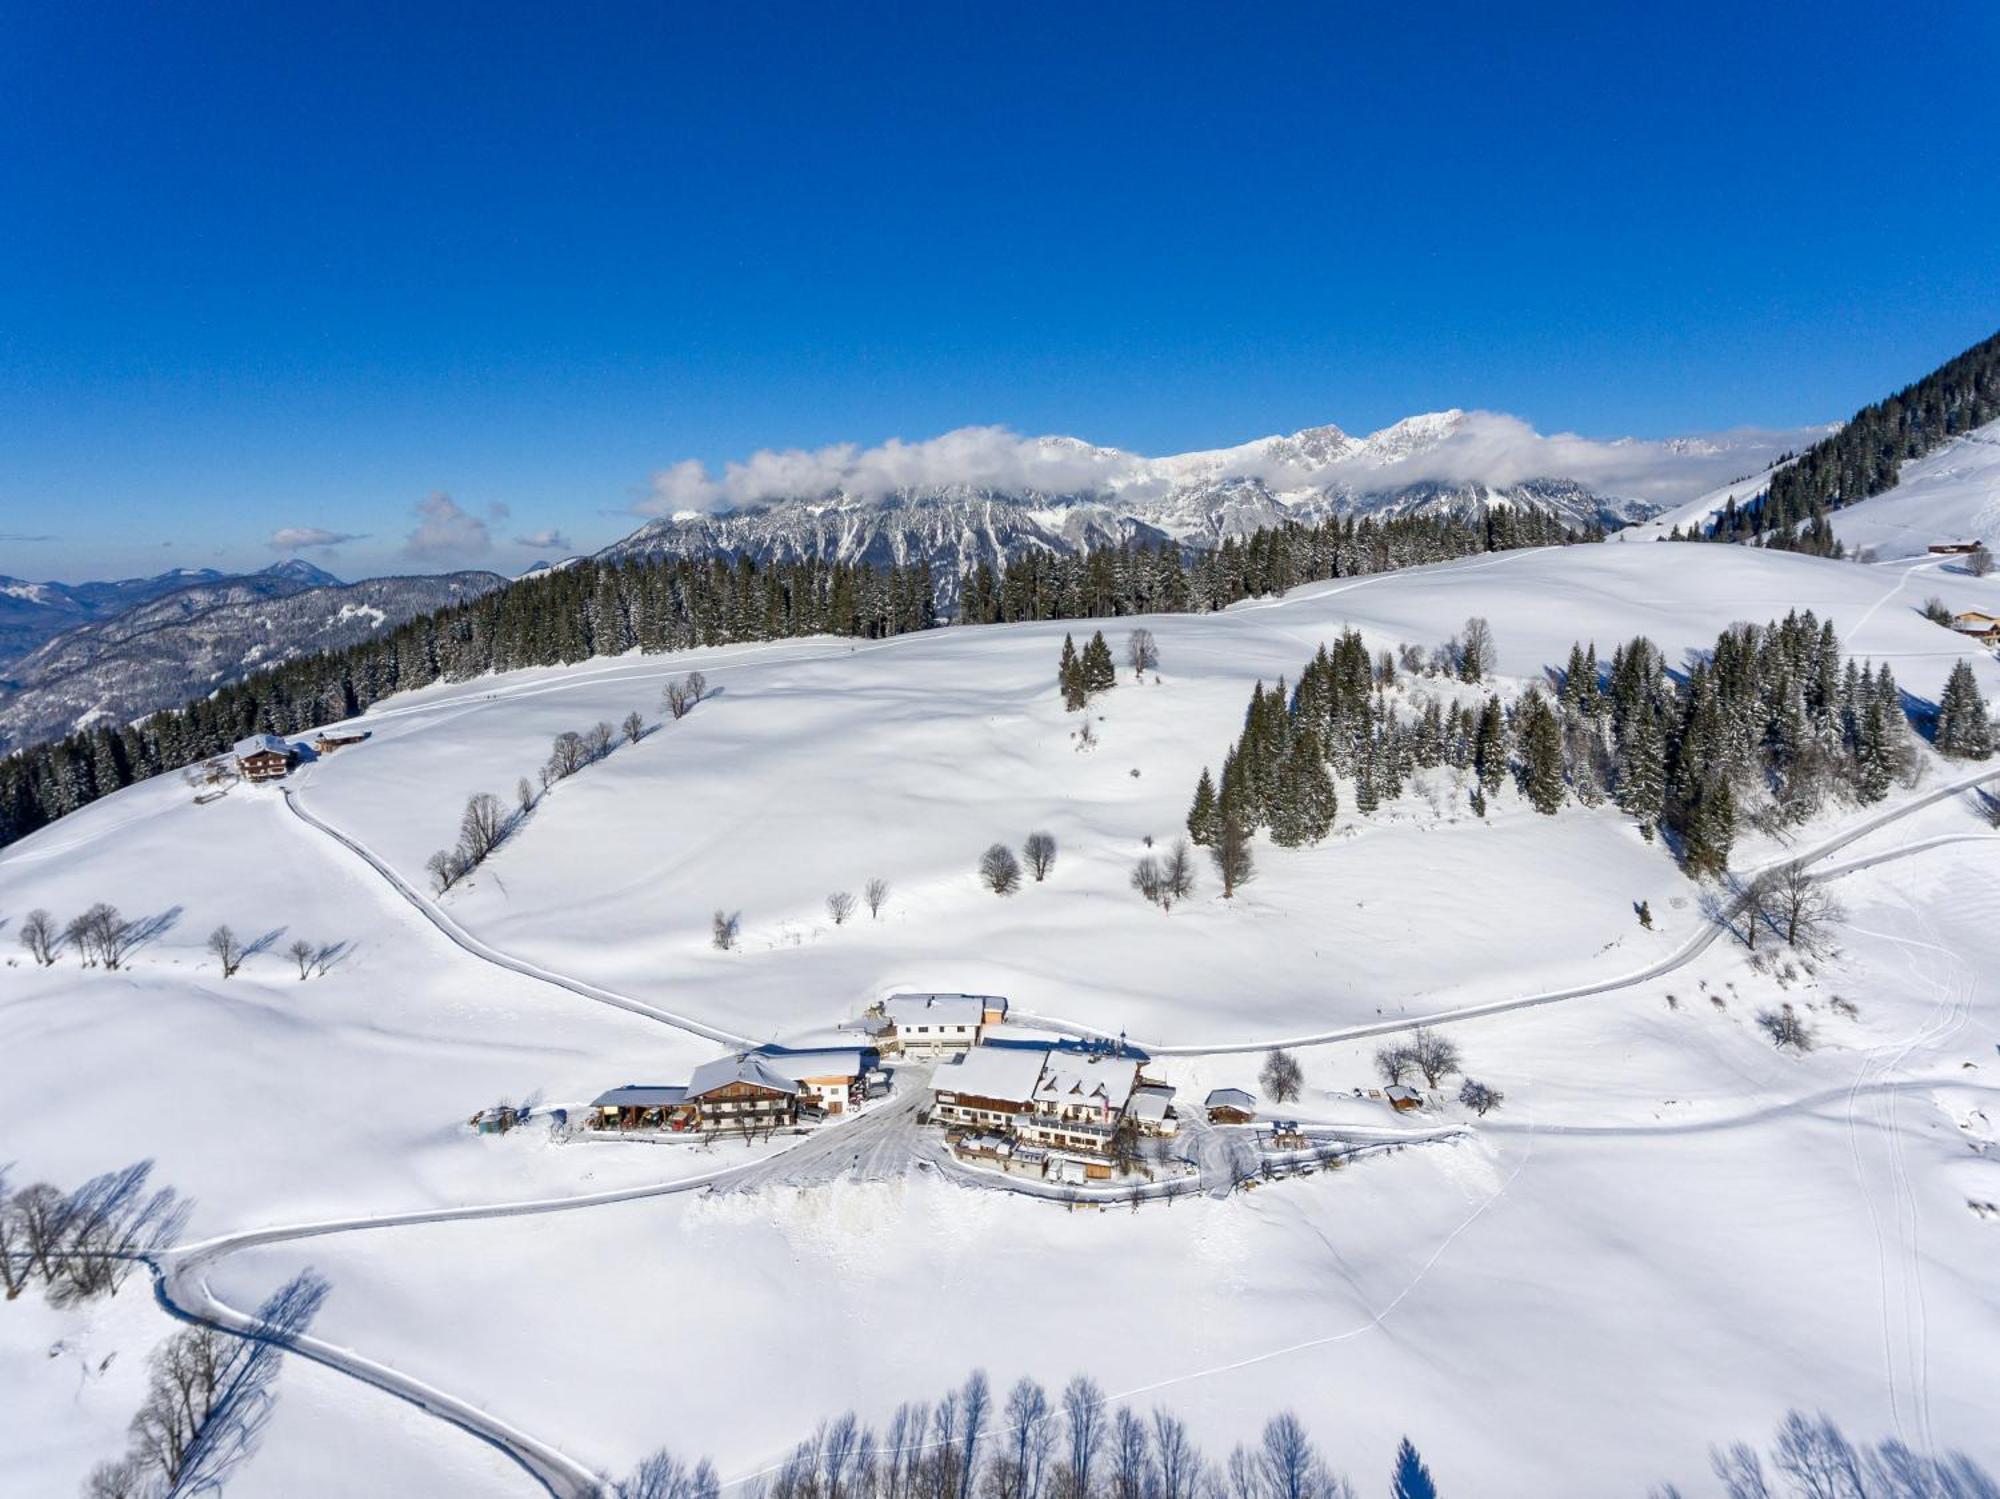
(1487, 447)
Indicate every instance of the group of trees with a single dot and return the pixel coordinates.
(1811, 1458)
(1000, 871)
(1423, 1052)
(1080, 673)
(972, 1444)
(1114, 582)
(101, 937)
(1279, 776)
(1164, 879)
(208, 1395)
(875, 895)
(487, 822)
(84, 1243)
(590, 608)
(1763, 725)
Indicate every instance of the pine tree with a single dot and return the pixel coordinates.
(1642, 773)
(1202, 817)
(1069, 678)
(1412, 1478)
(1489, 746)
(1541, 755)
(1711, 831)
(1964, 730)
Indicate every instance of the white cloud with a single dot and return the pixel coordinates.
(303, 538)
(1488, 446)
(445, 532)
(549, 538)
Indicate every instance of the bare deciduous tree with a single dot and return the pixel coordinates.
(524, 796)
(101, 935)
(567, 755)
(481, 828)
(598, 741)
(1282, 1076)
(1000, 870)
(1177, 871)
(876, 893)
(38, 936)
(634, 726)
(1979, 561)
(446, 868)
(1231, 852)
(227, 949)
(675, 701)
(1786, 1028)
(723, 930)
(840, 906)
(1142, 652)
(1433, 1055)
(697, 686)
(1039, 850)
(1394, 1062)
(1802, 909)
(1479, 1098)
(302, 953)
(1147, 879)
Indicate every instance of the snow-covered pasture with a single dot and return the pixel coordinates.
(1668, 1234)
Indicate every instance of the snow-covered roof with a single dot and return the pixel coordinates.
(746, 1068)
(1231, 1098)
(261, 744)
(1007, 1073)
(1402, 1093)
(640, 1096)
(939, 1009)
(821, 1062)
(1151, 1103)
(1068, 1078)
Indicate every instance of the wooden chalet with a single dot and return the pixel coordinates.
(1230, 1106)
(264, 757)
(1403, 1098)
(742, 1092)
(1979, 625)
(326, 744)
(1952, 548)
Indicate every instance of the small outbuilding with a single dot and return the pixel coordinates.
(1231, 1106)
(1953, 548)
(264, 757)
(641, 1106)
(1403, 1098)
(326, 744)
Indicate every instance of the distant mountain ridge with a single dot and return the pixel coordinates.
(188, 641)
(31, 613)
(1097, 496)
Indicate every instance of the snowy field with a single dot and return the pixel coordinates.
(1669, 1234)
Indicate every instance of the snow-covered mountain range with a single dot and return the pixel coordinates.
(986, 495)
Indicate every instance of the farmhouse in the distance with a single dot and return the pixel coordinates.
(263, 757)
(1977, 624)
(933, 1024)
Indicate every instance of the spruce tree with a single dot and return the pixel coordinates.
(1489, 746)
(1541, 755)
(1202, 817)
(1412, 1478)
(1068, 677)
(1642, 773)
(1964, 731)
(1711, 831)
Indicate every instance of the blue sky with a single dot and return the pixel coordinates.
(288, 267)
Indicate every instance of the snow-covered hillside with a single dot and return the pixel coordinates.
(1951, 495)
(1670, 1233)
